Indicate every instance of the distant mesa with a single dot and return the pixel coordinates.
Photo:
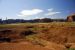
(71, 18)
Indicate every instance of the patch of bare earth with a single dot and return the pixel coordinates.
(20, 46)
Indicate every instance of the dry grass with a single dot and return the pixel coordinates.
(48, 35)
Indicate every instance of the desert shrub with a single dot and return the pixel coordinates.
(67, 46)
(27, 32)
(5, 40)
(37, 41)
(29, 26)
(6, 31)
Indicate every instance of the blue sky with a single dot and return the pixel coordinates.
(32, 9)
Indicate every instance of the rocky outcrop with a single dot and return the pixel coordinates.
(71, 18)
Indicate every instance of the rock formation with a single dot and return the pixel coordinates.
(71, 18)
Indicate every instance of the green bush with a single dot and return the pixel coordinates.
(71, 49)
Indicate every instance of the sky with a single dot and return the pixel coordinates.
(34, 9)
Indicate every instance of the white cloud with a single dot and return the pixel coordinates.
(52, 13)
(51, 9)
(30, 12)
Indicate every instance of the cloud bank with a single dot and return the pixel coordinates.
(30, 13)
